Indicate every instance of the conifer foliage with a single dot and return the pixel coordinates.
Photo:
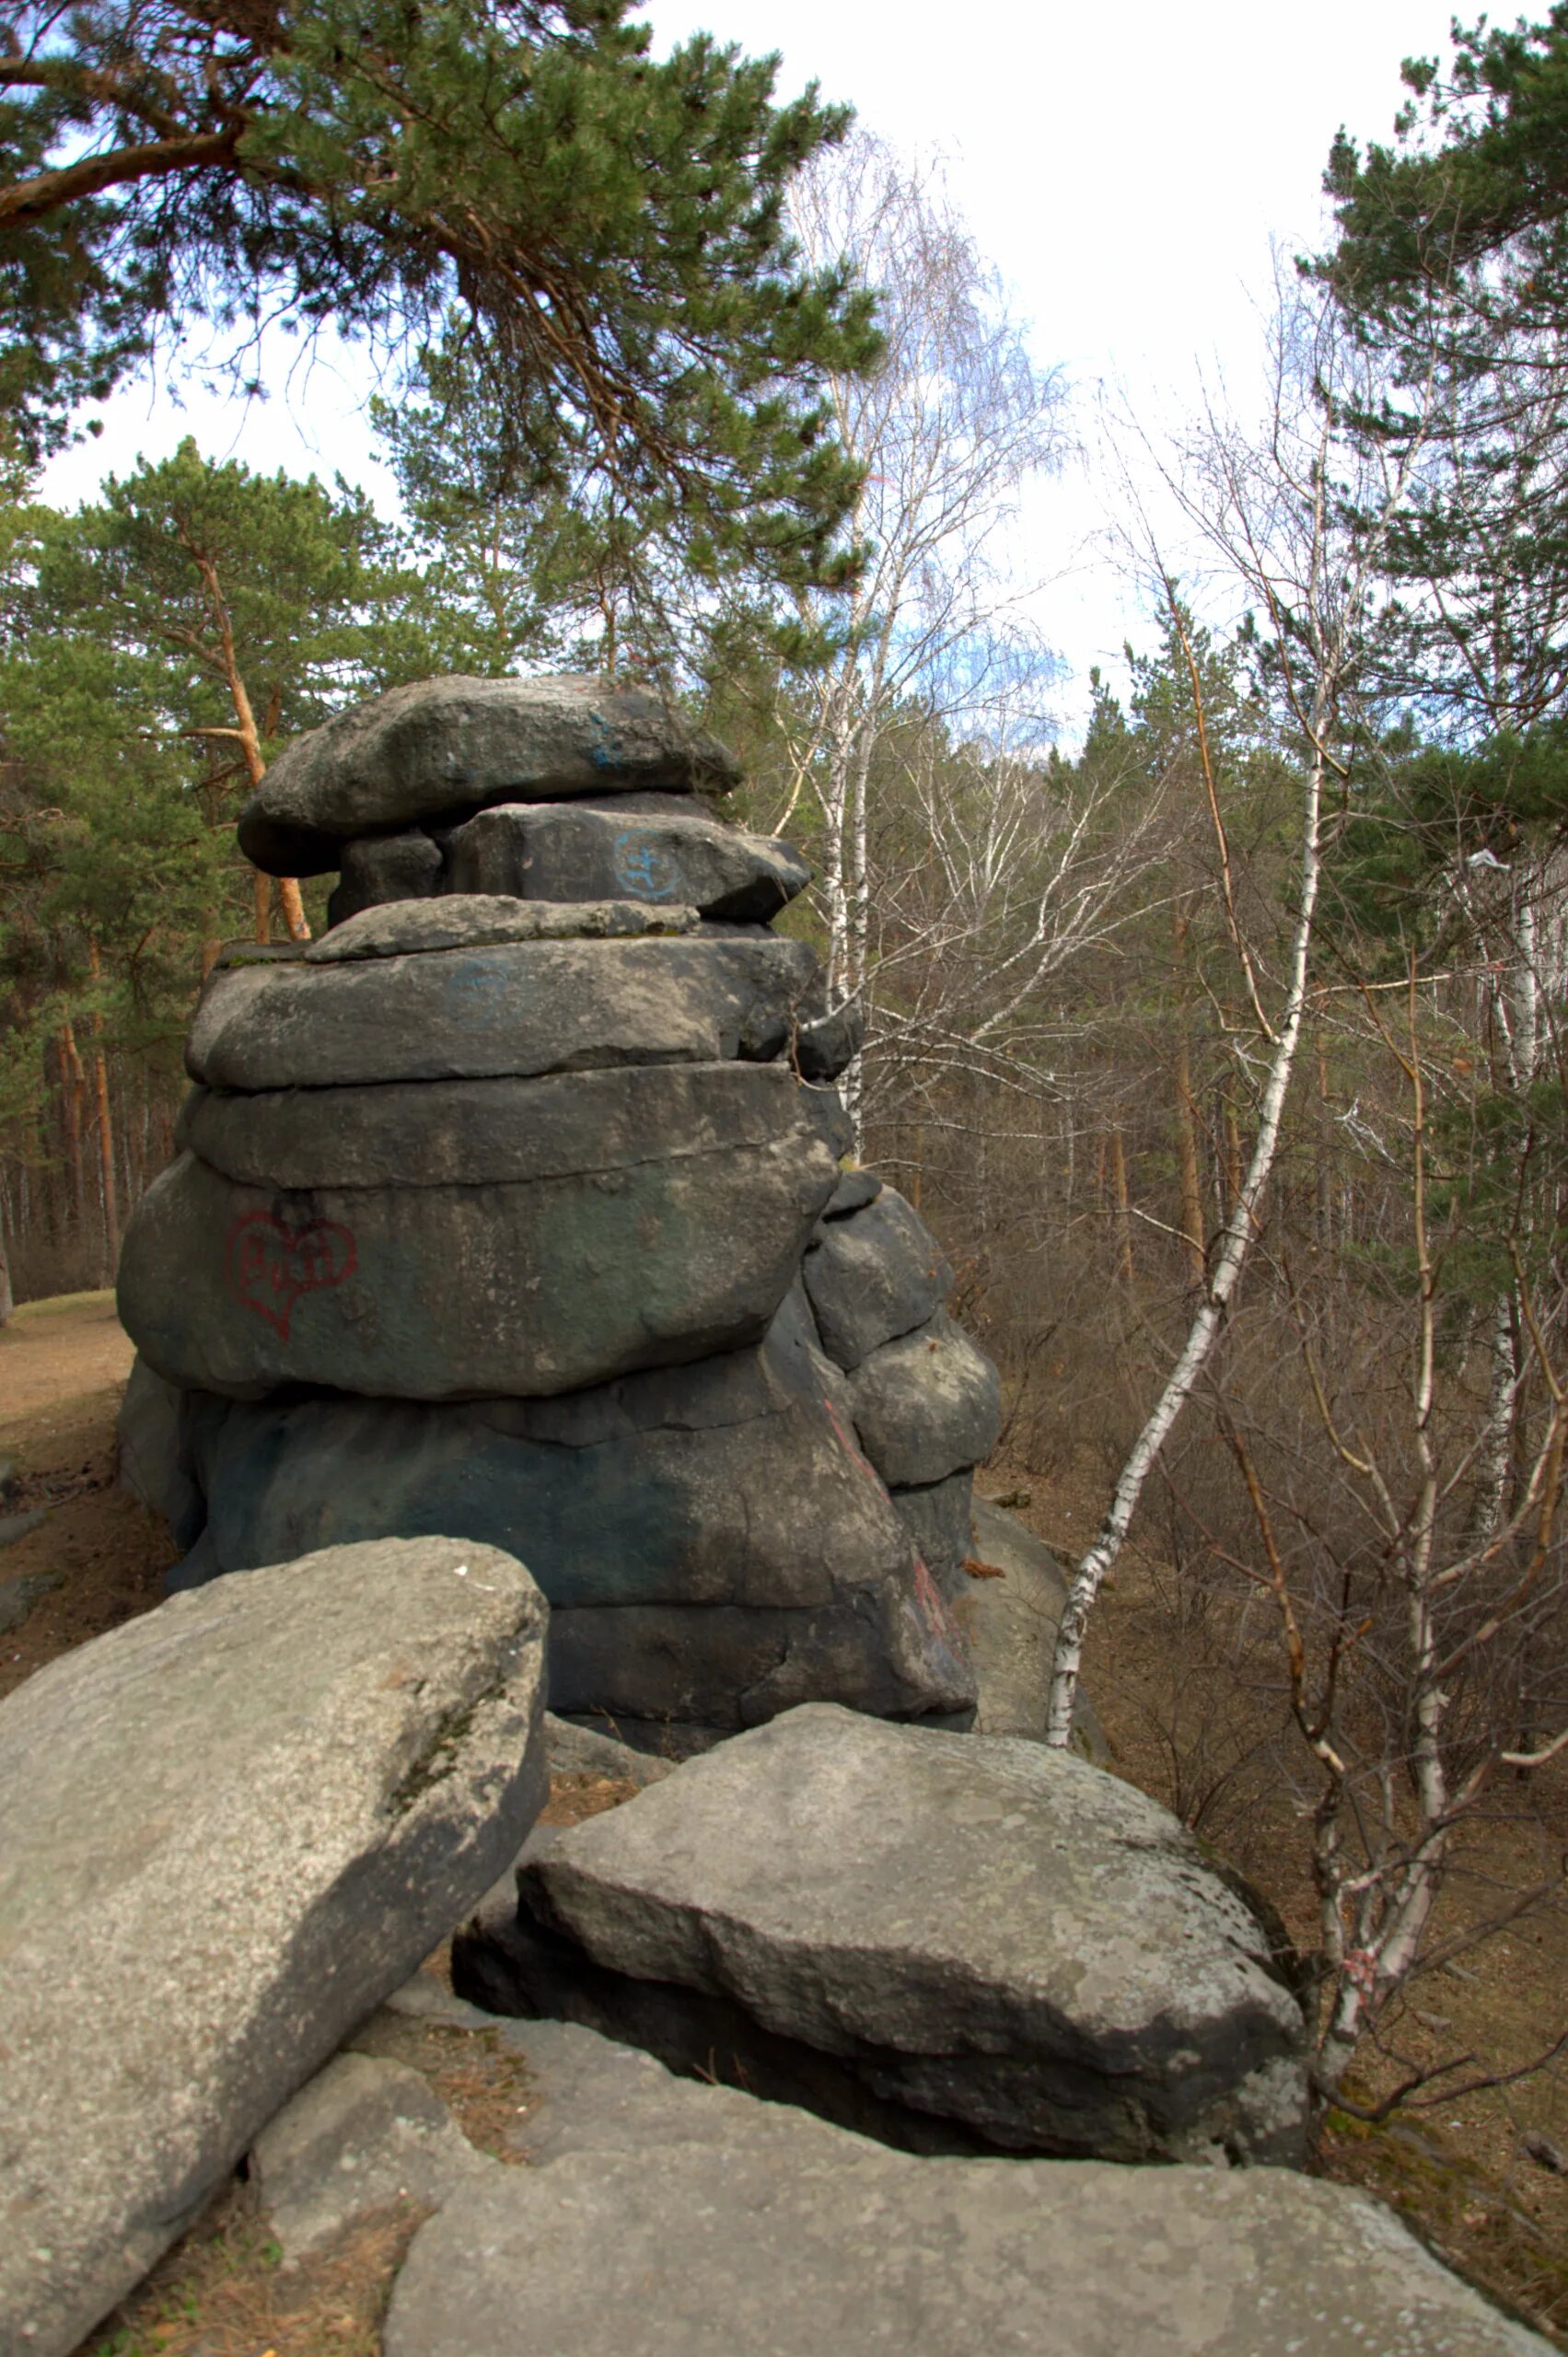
(608, 228)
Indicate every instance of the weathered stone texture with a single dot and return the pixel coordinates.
(230, 1827)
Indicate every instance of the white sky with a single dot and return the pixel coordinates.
(1127, 168)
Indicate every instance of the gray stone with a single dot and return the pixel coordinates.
(580, 1751)
(365, 2134)
(800, 2245)
(875, 1275)
(21, 1526)
(456, 1291)
(827, 1045)
(548, 852)
(231, 1826)
(1010, 1624)
(384, 867)
(498, 1133)
(983, 1931)
(454, 745)
(854, 1191)
(18, 1597)
(151, 1453)
(887, 1647)
(476, 921)
(731, 1481)
(200, 1565)
(925, 1405)
(937, 1519)
(514, 1008)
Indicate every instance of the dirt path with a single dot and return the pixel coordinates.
(98, 1557)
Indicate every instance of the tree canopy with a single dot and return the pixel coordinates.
(608, 229)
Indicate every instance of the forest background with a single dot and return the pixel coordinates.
(1223, 1050)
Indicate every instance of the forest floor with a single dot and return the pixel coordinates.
(1459, 2169)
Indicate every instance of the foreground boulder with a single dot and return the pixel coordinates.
(797, 2246)
(230, 1828)
(689, 2219)
(954, 1943)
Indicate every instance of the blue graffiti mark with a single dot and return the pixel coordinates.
(605, 754)
(645, 871)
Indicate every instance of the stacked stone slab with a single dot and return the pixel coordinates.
(512, 1210)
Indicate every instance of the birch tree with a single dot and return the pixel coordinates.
(947, 431)
(1274, 511)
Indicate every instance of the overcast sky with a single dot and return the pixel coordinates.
(1129, 169)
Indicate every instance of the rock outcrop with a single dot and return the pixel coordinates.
(512, 1209)
(954, 1943)
(231, 1828)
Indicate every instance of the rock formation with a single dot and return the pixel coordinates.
(954, 1946)
(231, 1828)
(512, 1209)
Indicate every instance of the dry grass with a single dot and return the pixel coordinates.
(224, 2291)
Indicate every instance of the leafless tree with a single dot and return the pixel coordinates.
(1270, 509)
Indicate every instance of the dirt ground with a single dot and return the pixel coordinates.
(63, 1367)
(1460, 2168)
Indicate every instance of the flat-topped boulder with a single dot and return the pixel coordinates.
(476, 919)
(725, 2241)
(452, 746)
(553, 852)
(979, 1934)
(510, 1007)
(231, 1828)
(498, 1133)
(455, 1289)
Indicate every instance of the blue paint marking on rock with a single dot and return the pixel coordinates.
(647, 873)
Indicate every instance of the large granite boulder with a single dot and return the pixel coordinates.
(714, 1543)
(452, 746)
(470, 921)
(946, 1940)
(560, 852)
(640, 2190)
(453, 1289)
(504, 1009)
(739, 2239)
(231, 1828)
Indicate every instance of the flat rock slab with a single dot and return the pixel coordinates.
(497, 1133)
(978, 1930)
(510, 1008)
(365, 2134)
(230, 1827)
(877, 1272)
(546, 851)
(796, 2249)
(457, 744)
(457, 1290)
(476, 919)
(926, 1405)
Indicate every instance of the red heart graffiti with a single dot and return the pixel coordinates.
(270, 1265)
